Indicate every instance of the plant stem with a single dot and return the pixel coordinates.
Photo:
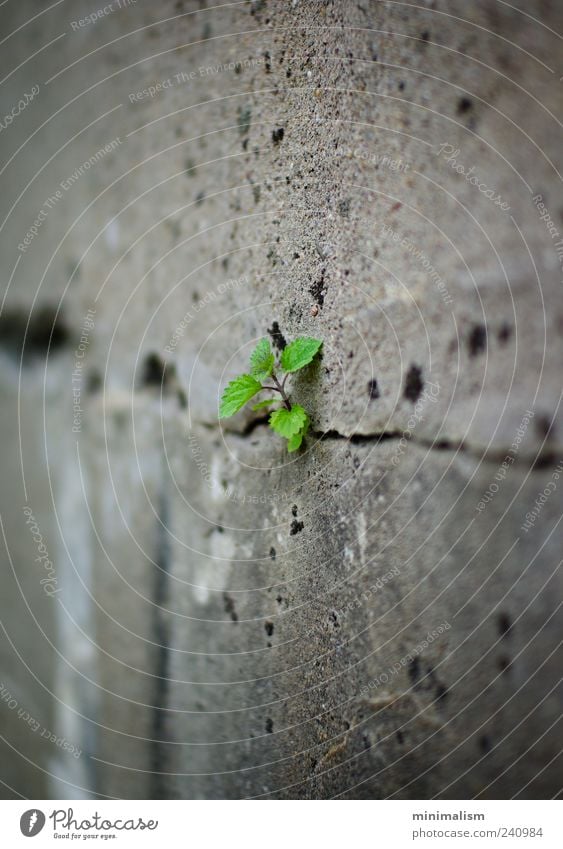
(280, 389)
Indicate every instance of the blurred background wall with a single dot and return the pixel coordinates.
(187, 611)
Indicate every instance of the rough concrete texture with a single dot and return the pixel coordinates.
(233, 622)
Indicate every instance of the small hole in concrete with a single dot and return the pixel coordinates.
(485, 743)
(503, 624)
(373, 389)
(477, 342)
(464, 104)
(504, 334)
(413, 384)
(154, 371)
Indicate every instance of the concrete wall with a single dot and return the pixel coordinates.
(369, 618)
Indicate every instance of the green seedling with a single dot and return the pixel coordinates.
(289, 420)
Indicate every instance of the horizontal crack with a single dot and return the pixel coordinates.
(541, 461)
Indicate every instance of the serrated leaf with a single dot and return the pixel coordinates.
(267, 403)
(262, 360)
(237, 393)
(299, 353)
(288, 422)
(295, 442)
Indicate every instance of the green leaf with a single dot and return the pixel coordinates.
(295, 442)
(262, 360)
(299, 353)
(288, 422)
(267, 403)
(237, 393)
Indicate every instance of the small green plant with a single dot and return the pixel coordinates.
(290, 420)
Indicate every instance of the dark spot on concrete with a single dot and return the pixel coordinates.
(256, 193)
(93, 382)
(504, 624)
(182, 399)
(504, 664)
(425, 35)
(477, 342)
(504, 334)
(199, 198)
(230, 607)
(257, 6)
(318, 289)
(401, 86)
(334, 618)
(441, 693)
(46, 333)
(244, 118)
(277, 135)
(294, 510)
(269, 627)
(344, 207)
(400, 737)
(269, 725)
(485, 743)
(155, 371)
(267, 63)
(373, 389)
(413, 384)
(464, 104)
(296, 527)
(543, 426)
(278, 339)
(279, 599)
(413, 670)
(273, 553)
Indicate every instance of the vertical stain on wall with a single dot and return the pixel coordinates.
(161, 637)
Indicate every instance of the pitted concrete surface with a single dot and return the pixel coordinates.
(377, 615)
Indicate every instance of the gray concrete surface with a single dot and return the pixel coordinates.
(233, 622)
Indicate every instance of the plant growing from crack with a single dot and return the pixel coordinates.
(290, 420)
